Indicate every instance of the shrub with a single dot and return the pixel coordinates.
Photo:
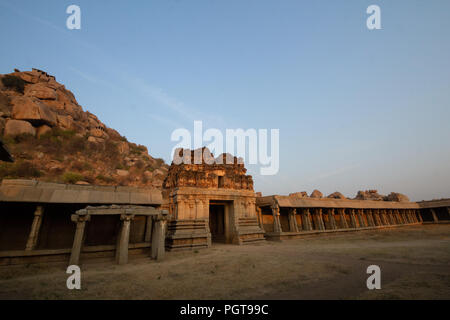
(72, 177)
(13, 82)
(19, 169)
(105, 178)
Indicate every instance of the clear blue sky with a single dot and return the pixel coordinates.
(356, 109)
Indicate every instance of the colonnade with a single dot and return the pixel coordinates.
(321, 219)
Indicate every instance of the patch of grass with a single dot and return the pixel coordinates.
(105, 178)
(72, 177)
(19, 169)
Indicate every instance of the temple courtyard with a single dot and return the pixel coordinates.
(414, 262)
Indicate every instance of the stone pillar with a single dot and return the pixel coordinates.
(260, 218)
(148, 229)
(376, 217)
(402, 216)
(370, 219)
(306, 218)
(78, 238)
(419, 215)
(331, 219)
(408, 216)
(435, 218)
(293, 227)
(391, 217)
(159, 239)
(35, 228)
(384, 220)
(344, 224)
(276, 218)
(414, 216)
(319, 218)
(123, 239)
(353, 219)
(448, 211)
(359, 215)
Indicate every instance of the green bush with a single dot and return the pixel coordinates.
(19, 169)
(72, 177)
(13, 82)
(105, 179)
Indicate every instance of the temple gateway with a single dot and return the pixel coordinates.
(199, 205)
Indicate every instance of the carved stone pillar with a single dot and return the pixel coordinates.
(293, 227)
(419, 216)
(370, 219)
(123, 239)
(35, 228)
(435, 218)
(306, 219)
(353, 219)
(319, 218)
(359, 215)
(344, 224)
(159, 239)
(376, 217)
(148, 229)
(331, 219)
(78, 238)
(276, 218)
(260, 218)
(391, 217)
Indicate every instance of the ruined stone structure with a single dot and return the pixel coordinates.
(200, 204)
(210, 202)
(285, 217)
(56, 222)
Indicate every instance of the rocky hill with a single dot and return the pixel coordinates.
(52, 139)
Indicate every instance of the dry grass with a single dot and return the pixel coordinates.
(414, 263)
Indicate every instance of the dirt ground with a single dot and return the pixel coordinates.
(414, 262)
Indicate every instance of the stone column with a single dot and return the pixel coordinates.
(384, 220)
(35, 228)
(159, 239)
(319, 218)
(404, 216)
(260, 218)
(408, 215)
(362, 223)
(293, 227)
(418, 215)
(306, 219)
(344, 224)
(414, 216)
(448, 211)
(376, 217)
(353, 219)
(78, 238)
(435, 218)
(276, 218)
(391, 217)
(123, 239)
(331, 219)
(370, 219)
(148, 229)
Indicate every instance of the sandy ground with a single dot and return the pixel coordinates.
(414, 261)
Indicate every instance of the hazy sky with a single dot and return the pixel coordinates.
(357, 109)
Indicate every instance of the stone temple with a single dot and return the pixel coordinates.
(200, 204)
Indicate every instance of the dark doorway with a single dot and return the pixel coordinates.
(217, 222)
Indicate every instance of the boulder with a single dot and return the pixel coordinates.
(31, 109)
(17, 127)
(40, 91)
(42, 130)
(27, 76)
(336, 195)
(65, 122)
(124, 148)
(316, 194)
(95, 140)
(368, 195)
(302, 194)
(122, 173)
(398, 197)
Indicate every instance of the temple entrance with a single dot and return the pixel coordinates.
(217, 222)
